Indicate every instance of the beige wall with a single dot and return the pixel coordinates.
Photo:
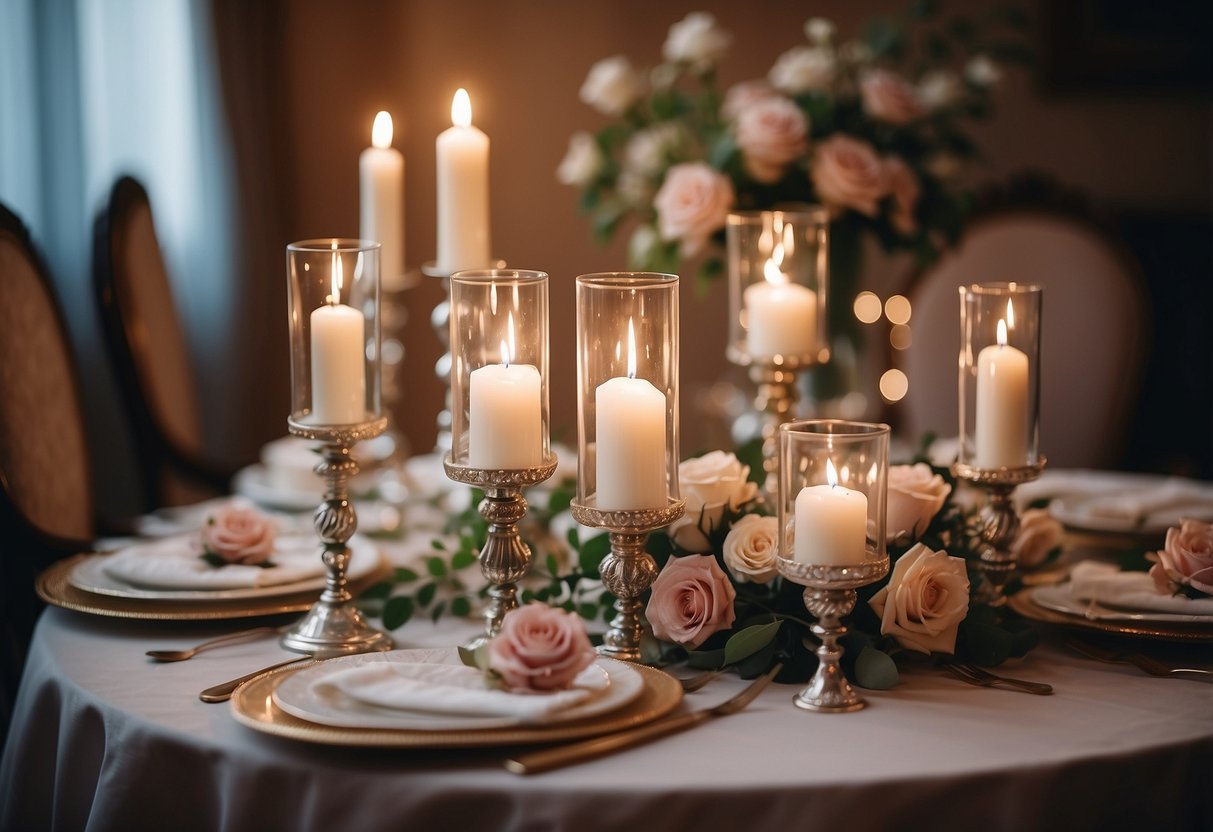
(523, 63)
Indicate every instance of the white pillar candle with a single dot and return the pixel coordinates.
(831, 524)
(781, 317)
(629, 429)
(505, 422)
(381, 201)
(338, 365)
(1002, 405)
(463, 191)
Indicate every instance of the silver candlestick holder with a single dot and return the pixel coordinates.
(628, 570)
(775, 398)
(504, 559)
(334, 626)
(829, 596)
(999, 524)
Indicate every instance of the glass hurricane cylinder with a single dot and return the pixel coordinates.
(333, 304)
(999, 375)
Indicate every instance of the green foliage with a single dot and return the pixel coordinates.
(875, 670)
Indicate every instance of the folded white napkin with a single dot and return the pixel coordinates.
(174, 563)
(454, 690)
(1093, 498)
(1107, 585)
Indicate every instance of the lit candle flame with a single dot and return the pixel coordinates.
(505, 354)
(461, 109)
(381, 130)
(493, 298)
(772, 273)
(1010, 315)
(831, 474)
(1002, 332)
(631, 349)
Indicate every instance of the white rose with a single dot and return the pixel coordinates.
(751, 547)
(803, 69)
(981, 71)
(1039, 533)
(693, 202)
(648, 150)
(636, 189)
(819, 30)
(939, 89)
(640, 246)
(709, 484)
(772, 133)
(925, 600)
(696, 40)
(740, 96)
(612, 86)
(915, 496)
(582, 162)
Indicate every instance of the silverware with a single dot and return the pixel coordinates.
(578, 752)
(1140, 660)
(974, 675)
(694, 683)
(182, 655)
(223, 692)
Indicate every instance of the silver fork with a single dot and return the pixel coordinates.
(981, 677)
(694, 683)
(579, 752)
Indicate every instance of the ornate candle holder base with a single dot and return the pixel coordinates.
(334, 626)
(829, 595)
(999, 524)
(628, 570)
(775, 398)
(505, 558)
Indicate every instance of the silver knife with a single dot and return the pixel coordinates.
(223, 692)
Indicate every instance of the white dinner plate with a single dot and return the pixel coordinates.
(90, 576)
(1058, 598)
(253, 482)
(299, 697)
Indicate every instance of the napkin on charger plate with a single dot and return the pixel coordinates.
(174, 563)
(1107, 585)
(1095, 497)
(454, 690)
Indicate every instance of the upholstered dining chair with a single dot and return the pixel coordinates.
(46, 491)
(1095, 328)
(147, 347)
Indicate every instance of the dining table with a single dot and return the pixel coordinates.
(102, 737)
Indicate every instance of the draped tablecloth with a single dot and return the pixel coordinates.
(103, 738)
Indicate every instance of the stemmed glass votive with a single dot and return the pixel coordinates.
(833, 478)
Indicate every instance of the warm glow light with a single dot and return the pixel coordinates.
(381, 130)
(505, 354)
(772, 273)
(1010, 315)
(631, 349)
(513, 343)
(831, 474)
(461, 109)
(336, 276)
(899, 337)
(894, 385)
(897, 309)
(1002, 333)
(867, 307)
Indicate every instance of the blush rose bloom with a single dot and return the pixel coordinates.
(925, 600)
(692, 203)
(1039, 533)
(740, 96)
(750, 549)
(582, 162)
(890, 98)
(906, 190)
(709, 484)
(915, 496)
(804, 69)
(696, 40)
(540, 649)
(847, 173)
(239, 534)
(1186, 558)
(692, 598)
(772, 133)
(612, 86)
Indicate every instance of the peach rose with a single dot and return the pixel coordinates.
(1039, 533)
(693, 202)
(906, 190)
(925, 600)
(751, 547)
(772, 133)
(1186, 558)
(847, 173)
(692, 598)
(540, 649)
(239, 534)
(709, 484)
(740, 96)
(915, 496)
(612, 86)
(890, 98)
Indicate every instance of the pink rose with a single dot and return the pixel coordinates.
(239, 534)
(915, 496)
(540, 649)
(906, 190)
(848, 174)
(890, 98)
(692, 598)
(1039, 533)
(740, 96)
(1186, 558)
(693, 202)
(925, 600)
(772, 133)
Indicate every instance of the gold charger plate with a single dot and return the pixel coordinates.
(1024, 604)
(54, 587)
(252, 705)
